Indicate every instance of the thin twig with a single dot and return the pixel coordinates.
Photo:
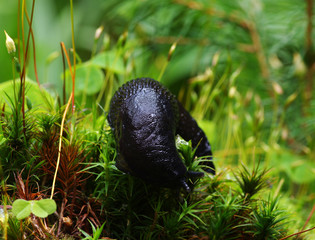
(62, 208)
(22, 87)
(309, 10)
(62, 122)
(64, 76)
(310, 57)
(25, 52)
(60, 144)
(34, 49)
(294, 234)
(309, 217)
(69, 63)
(74, 53)
(28, 37)
(18, 30)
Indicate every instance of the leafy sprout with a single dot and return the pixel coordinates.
(251, 182)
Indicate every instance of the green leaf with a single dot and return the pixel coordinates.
(299, 169)
(29, 103)
(39, 96)
(109, 60)
(43, 207)
(21, 208)
(304, 173)
(88, 79)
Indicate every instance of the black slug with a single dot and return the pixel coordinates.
(145, 118)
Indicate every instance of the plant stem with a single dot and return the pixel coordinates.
(25, 52)
(296, 234)
(62, 121)
(60, 144)
(33, 42)
(22, 88)
(64, 76)
(74, 55)
(310, 58)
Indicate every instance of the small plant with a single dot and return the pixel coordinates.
(71, 145)
(251, 182)
(97, 233)
(223, 217)
(40, 208)
(17, 138)
(15, 230)
(267, 221)
(187, 153)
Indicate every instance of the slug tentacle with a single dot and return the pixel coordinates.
(185, 185)
(145, 118)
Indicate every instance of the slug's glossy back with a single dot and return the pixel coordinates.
(145, 117)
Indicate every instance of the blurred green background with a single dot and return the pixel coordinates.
(245, 69)
(201, 28)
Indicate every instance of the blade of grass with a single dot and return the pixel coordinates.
(169, 57)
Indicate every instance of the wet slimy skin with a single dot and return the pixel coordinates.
(145, 118)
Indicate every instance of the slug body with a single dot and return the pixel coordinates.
(145, 118)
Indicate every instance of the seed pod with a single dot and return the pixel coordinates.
(9, 43)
